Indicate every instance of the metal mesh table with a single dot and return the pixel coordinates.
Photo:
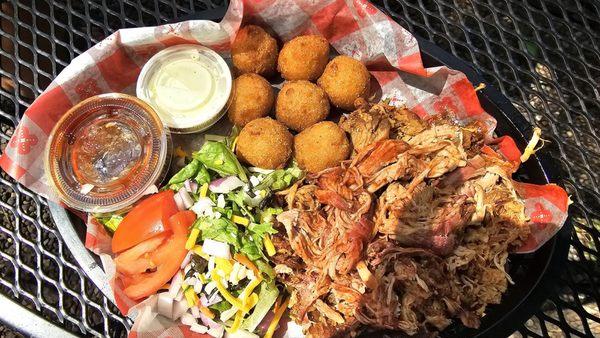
(543, 55)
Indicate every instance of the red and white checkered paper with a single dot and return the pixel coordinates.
(353, 27)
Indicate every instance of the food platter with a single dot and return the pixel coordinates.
(530, 272)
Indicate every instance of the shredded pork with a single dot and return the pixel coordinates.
(426, 215)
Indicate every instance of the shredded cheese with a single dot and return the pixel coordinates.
(278, 314)
(191, 297)
(180, 152)
(204, 190)
(224, 265)
(245, 261)
(236, 322)
(191, 241)
(240, 220)
(480, 87)
(206, 311)
(530, 149)
(269, 245)
(225, 293)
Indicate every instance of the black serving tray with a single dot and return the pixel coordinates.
(533, 274)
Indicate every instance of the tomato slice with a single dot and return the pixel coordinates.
(146, 267)
(145, 220)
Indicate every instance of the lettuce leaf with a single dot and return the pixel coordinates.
(218, 157)
(280, 178)
(267, 295)
(220, 229)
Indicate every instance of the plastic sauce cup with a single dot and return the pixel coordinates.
(188, 86)
(107, 152)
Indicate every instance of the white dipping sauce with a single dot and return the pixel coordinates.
(188, 86)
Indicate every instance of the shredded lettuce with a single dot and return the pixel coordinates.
(217, 157)
(185, 173)
(267, 295)
(221, 306)
(266, 215)
(220, 229)
(110, 223)
(280, 178)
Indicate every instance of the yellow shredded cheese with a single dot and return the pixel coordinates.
(530, 149)
(225, 293)
(206, 311)
(180, 152)
(204, 190)
(198, 251)
(236, 322)
(269, 245)
(278, 314)
(191, 297)
(191, 241)
(224, 265)
(480, 87)
(252, 300)
(240, 220)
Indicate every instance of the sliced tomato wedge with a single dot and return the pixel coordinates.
(145, 268)
(145, 220)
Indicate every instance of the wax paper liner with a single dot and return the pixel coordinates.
(353, 27)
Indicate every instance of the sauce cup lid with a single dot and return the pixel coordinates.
(187, 85)
(106, 152)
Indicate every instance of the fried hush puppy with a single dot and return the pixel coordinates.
(303, 58)
(345, 80)
(321, 146)
(300, 104)
(252, 98)
(264, 143)
(254, 51)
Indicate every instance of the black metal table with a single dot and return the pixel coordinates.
(543, 55)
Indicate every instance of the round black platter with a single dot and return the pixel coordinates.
(532, 274)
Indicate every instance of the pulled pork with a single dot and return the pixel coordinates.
(411, 232)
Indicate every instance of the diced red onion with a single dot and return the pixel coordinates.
(198, 328)
(214, 299)
(188, 319)
(216, 248)
(185, 198)
(225, 184)
(208, 322)
(179, 308)
(190, 186)
(186, 260)
(179, 202)
(164, 305)
(203, 206)
(195, 312)
(216, 332)
(175, 286)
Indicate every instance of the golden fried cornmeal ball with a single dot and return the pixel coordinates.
(303, 58)
(300, 104)
(344, 80)
(252, 98)
(264, 143)
(321, 146)
(254, 51)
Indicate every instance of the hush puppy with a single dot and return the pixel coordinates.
(264, 143)
(303, 58)
(344, 80)
(254, 51)
(252, 98)
(300, 104)
(321, 146)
